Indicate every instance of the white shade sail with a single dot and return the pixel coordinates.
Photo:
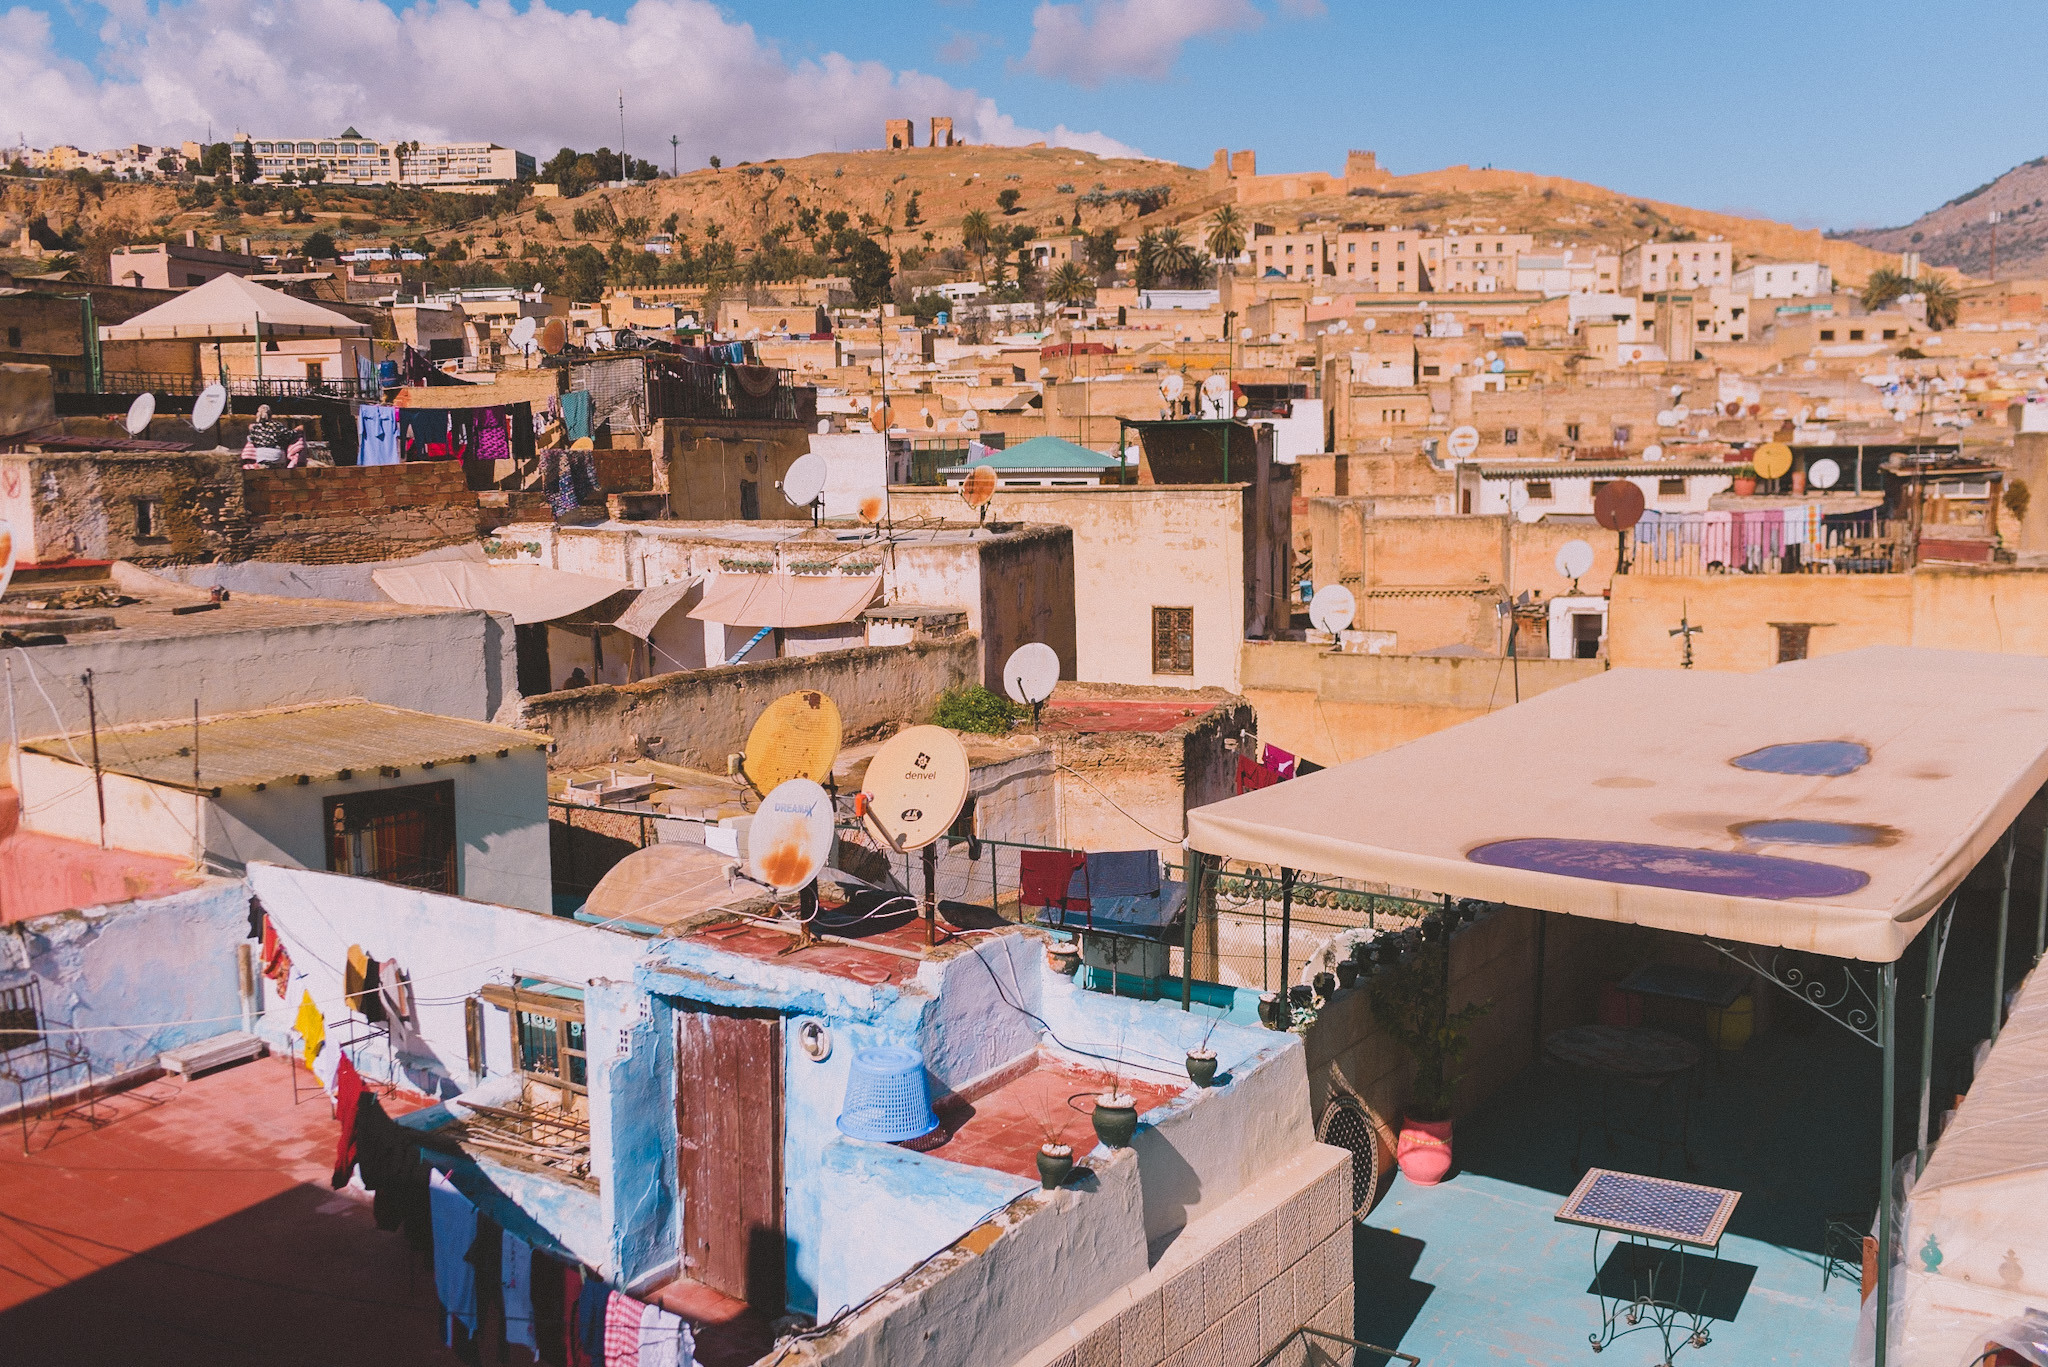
(229, 308)
(530, 593)
(784, 600)
(1828, 805)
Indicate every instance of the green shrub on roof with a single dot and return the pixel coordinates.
(974, 708)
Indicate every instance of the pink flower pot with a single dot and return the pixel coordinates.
(1424, 1151)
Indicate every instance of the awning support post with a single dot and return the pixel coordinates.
(2004, 920)
(1887, 1003)
(1286, 926)
(1193, 862)
(2041, 912)
(1937, 949)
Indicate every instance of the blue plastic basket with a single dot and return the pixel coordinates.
(885, 1097)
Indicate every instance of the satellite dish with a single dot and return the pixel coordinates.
(1497, 366)
(804, 481)
(824, 426)
(874, 505)
(1681, 412)
(1216, 387)
(1823, 474)
(915, 787)
(1678, 391)
(979, 486)
(1369, 324)
(1518, 497)
(1574, 558)
(878, 417)
(1771, 460)
(522, 334)
(796, 737)
(1332, 609)
(1464, 442)
(1172, 386)
(6, 555)
(139, 414)
(1667, 417)
(207, 408)
(1530, 514)
(791, 836)
(1653, 452)
(554, 335)
(970, 421)
(1493, 355)
(1619, 505)
(1030, 673)
(1733, 409)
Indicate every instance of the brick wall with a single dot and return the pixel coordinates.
(353, 513)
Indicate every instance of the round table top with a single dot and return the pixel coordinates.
(1622, 1050)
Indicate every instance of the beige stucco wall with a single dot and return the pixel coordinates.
(1331, 707)
(1136, 547)
(1999, 610)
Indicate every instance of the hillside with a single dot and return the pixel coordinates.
(1056, 187)
(1958, 234)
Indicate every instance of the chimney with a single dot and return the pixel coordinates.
(243, 246)
(217, 243)
(191, 237)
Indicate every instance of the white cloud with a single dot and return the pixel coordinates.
(1099, 40)
(536, 78)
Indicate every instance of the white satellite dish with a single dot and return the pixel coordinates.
(1464, 442)
(1824, 474)
(915, 786)
(207, 408)
(805, 479)
(1678, 391)
(970, 421)
(790, 839)
(522, 334)
(1172, 386)
(1530, 514)
(1030, 673)
(1369, 324)
(1653, 452)
(1518, 497)
(824, 426)
(1216, 387)
(1574, 558)
(1804, 414)
(139, 414)
(1332, 609)
(1667, 417)
(1681, 412)
(1493, 355)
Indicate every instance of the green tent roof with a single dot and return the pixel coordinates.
(1045, 453)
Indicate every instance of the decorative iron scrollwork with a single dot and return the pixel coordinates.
(1833, 987)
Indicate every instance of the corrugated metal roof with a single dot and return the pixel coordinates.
(289, 745)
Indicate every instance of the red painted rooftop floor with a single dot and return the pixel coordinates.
(1001, 1128)
(1119, 714)
(197, 1227)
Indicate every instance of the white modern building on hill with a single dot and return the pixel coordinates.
(349, 158)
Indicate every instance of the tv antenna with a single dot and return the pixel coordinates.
(913, 792)
(1030, 674)
(1688, 630)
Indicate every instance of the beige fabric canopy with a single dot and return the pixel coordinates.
(651, 605)
(1828, 805)
(229, 308)
(784, 600)
(530, 593)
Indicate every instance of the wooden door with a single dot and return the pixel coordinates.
(729, 1151)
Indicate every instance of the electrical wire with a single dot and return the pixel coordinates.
(1156, 835)
(1050, 1033)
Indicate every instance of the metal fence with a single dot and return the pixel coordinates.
(1799, 540)
(187, 385)
(723, 392)
(1248, 915)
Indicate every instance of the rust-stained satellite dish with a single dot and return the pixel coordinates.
(1772, 459)
(979, 486)
(915, 786)
(874, 505)
(878, 417)
(796, 737)
(791, 838)
(554, 335)
(1619, 505)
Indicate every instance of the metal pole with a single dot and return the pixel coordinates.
(1937, 942)
(92, 721)
(931, 894)
(2004, 917)
(1887, 1003)
(2041, 915)
(1536, 1016)
(1193, 862)
(1286, 926)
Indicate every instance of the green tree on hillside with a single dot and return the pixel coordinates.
(976, 235)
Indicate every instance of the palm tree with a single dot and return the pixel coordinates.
(1175, 256)
(1145, 271)
(1942, 304)
(974, 237)
(1226, 233)
(1070, 285)
(1884, 286)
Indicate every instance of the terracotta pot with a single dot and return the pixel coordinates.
(1424, 1150)
(1055, 1165)
(1745, 485)
(1064, 958)
(1271, 1012)
(1116, 1120)
(1202, 1066)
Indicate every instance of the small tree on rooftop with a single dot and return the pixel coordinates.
(1070, 285)
(1226, 233)
(971, 707)
(1412, 1005)
(1885, 286)
(1943, 306)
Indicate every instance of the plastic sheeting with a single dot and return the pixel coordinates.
(1973, 1246)
(784, 600)
(1828, 805)
(530, 593)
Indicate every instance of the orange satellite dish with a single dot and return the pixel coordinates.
(979, 486)
(554, 335)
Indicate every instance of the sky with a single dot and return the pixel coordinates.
(1823, 115)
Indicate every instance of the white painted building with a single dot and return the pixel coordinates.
(1677, 265)
(1764, 279)
(349, 158)
(1503, 488)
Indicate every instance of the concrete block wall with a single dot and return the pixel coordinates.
(355, 488)
(1233, 1285)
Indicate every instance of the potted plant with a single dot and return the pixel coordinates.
(1116, 1117)
(1064, 956)
(1055, 1164)
(1745, 482)
(1412, 1004)
(1202, 1059)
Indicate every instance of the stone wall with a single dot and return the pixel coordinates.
(355, 513)
(698, 717)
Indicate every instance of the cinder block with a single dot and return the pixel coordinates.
(1103, 1348)
(1241, 1336)
(1330, 1267)
(1182, 1314)
(1277, 1318)
(1205, 1351)
(1223, 1284)
(1259, 1247)
(1291, 1226)
(1331, 1197)
(1336, 1316)
(1143, 1332)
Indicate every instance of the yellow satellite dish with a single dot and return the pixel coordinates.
(1772, 459)
(796, 737)
(915, 786)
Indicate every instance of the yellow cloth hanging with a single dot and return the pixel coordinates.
(311, 1025)
(353, 974)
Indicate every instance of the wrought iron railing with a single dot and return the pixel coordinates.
(185, 385)
(704, 391)
(1307, 1347)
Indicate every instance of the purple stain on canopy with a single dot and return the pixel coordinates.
(1807, 758)
(1721, 872)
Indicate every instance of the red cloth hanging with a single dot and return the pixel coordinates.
(348, 1090)
(1046, 877)
(1252, 776)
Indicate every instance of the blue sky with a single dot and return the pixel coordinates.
(1818, 114)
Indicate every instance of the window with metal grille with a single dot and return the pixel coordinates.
(396, 835)
(1671, 488)
(20, 1025)
(547, 1030)
(1173, 640)
(1792, 640)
